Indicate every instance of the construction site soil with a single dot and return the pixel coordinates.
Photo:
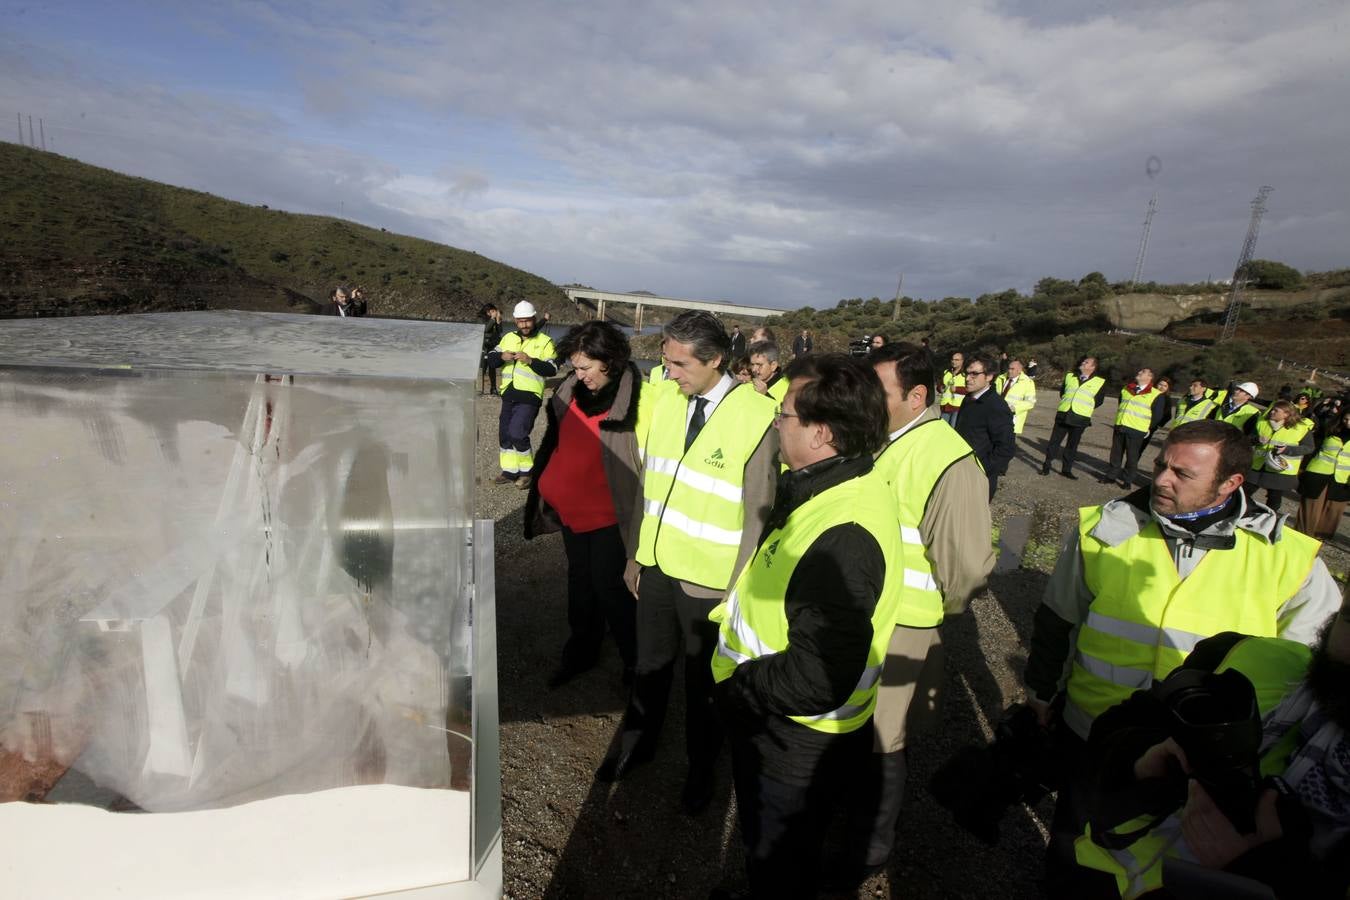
(565, 835)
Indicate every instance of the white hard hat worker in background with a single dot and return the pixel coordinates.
(524, 310)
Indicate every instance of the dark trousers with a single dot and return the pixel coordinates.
(993, 484)
(668, 619)
(1128, 443)
(1065, 879)
(783, 825)
(487, 375)
(1274, 498)
(597, 597)
(513, 434)
(1069, 436)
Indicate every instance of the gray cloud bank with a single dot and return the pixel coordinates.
(782, 153)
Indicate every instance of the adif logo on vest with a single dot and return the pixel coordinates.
(769, 551)
(715, 460)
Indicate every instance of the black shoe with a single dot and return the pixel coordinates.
(1045, 469)
(1069, 475)
(1106, 479)
(850, 877)
(618, 765)
(1126, 483)
(697, 793)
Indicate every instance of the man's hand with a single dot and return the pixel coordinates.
(1212, 837)
(632, 573)
(1153, 764)
(1042, 710)
(760, 385)
(509, 355)
(524, 357)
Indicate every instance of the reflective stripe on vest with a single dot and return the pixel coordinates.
(693, 502)
(1274, 667)
(1021, 398)
(1197, 411)
(753, 621)
(519, 375)
(950, 382)
(1136, 410)
(1080, 399)
(1288, 436)
(1333, 459)
(911, 466)
(1144, 620)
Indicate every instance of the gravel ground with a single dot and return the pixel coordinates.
(566, 836)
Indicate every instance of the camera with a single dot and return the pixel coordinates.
(1215, 720)
(979, 783)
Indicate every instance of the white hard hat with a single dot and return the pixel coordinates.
(524, 310)
(1249, 387)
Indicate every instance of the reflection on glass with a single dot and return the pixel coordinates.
(240, 595)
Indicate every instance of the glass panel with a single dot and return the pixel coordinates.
(237, 601)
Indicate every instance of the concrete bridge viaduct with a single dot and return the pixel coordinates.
(600, 298)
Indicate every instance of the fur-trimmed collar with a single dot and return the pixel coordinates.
(623, 410)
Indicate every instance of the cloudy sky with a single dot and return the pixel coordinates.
(780, 153)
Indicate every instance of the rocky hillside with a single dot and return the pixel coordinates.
(84, 240)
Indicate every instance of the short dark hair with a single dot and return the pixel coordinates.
(986, 361)
(766, 349)
(1235, 450)
(913, 367)
(601, 341)
(704, 334)
(884, 342)
(845, 394)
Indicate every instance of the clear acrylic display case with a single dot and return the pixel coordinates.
(246, 619)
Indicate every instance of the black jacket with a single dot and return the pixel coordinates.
(987, 425)
(829, 603)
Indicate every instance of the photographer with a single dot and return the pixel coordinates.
(1171, 796)
(1146, 577)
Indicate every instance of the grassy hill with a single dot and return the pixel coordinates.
(83, 240)
(1062, 320)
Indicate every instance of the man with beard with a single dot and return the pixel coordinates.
(527, 359)
(1130, 598)
(1297, 836)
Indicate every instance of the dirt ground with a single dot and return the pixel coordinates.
(564, 835)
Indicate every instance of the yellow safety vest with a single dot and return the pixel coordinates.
(1021, 398)
(910, 466)
(1274, 667)
(1237, 417)
(1333, 459)
(1144, 619)
(1080, 398)
(692, 502)
(950, 382)
(753, 622)
(657, 374)
(519, 375)
(1267, 434)
(1198, 410)
(1136, 410)
(778, 390)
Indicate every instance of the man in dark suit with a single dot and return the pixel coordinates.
(802, 344)
(737, 343)
(985, 420)
(343, 304)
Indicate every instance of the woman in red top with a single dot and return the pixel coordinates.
(585, 484)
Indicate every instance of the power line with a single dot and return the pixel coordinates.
(1230, 318)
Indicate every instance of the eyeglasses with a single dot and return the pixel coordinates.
(780, 414)
(970, 372)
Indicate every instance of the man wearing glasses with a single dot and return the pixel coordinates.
(985, 420)
(805, 627)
